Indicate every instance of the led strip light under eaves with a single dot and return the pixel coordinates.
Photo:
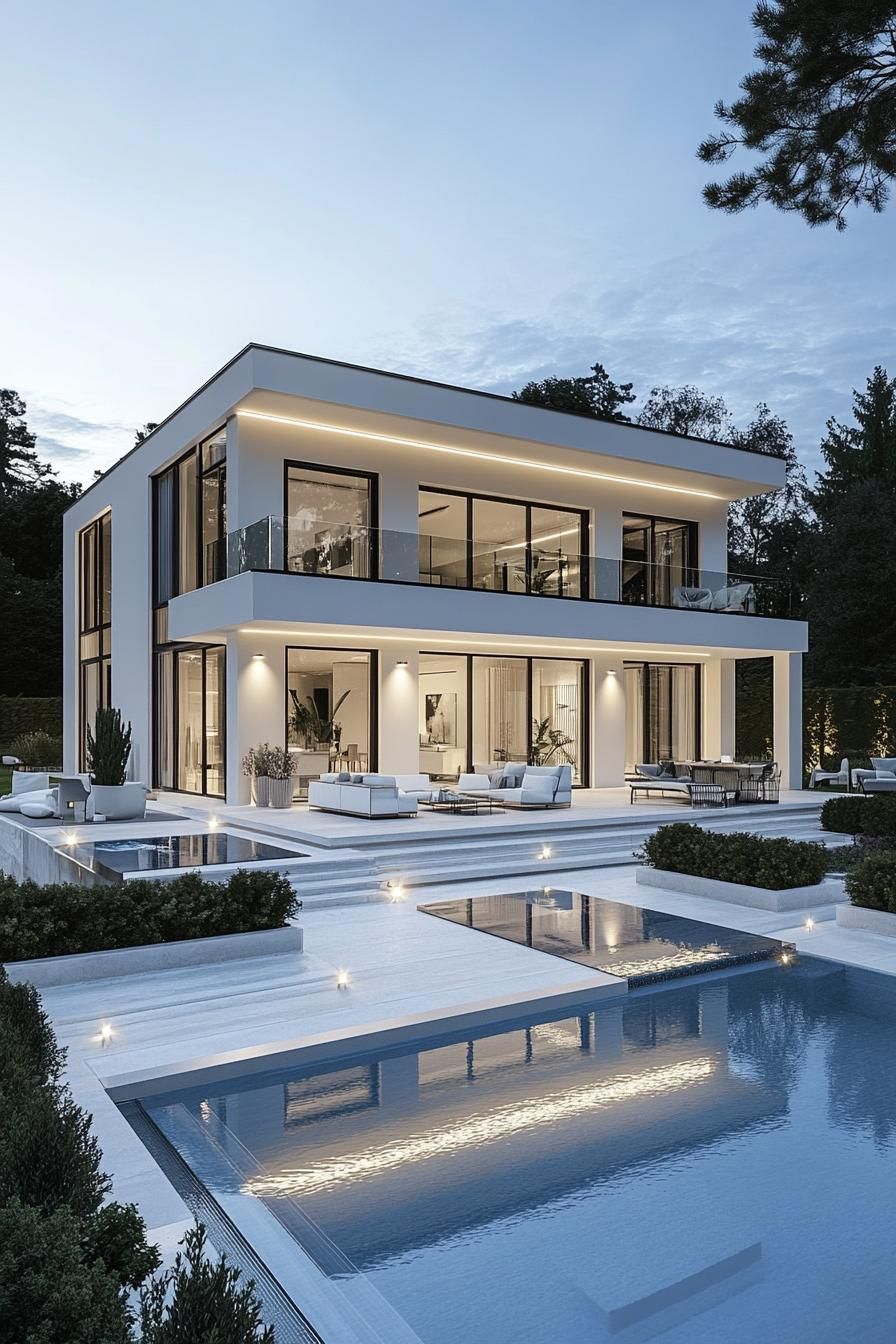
(363, 632)
(402, 442)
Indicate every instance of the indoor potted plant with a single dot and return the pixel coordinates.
(108, 753)
(256, 765)
(279, 767)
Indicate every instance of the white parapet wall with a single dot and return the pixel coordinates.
(43, 972)
(760, 898)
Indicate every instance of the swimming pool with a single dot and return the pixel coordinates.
(710, 1161)
(114, 860)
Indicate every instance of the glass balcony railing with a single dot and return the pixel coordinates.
(291, 546)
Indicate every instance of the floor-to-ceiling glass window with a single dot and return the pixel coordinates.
(94, 625)
(502, 545)
(558, 700)
(330, 521)
(662, 713)
(189, 718)
(213, 507)
(658, 556)
(330, 711)
(529, 709)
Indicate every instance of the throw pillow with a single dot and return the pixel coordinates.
(36, 810)
(667, 770)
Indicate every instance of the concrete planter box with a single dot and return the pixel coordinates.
(760, 898)
(872, 921)
(43, 972)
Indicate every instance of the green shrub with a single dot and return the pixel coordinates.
(201, 1299)
(52, 1290)
(772, 862)
(38, 749)
(27, 1042)
(63, 918)
(845, 814)
(872, 881)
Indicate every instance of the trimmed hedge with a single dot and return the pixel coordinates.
(29, 714)
(63, 918)
(67, 1258)
(773, 863)
(69, 1261)
(854, 814)
(872, 881)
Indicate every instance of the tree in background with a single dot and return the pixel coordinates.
(850, 601)
(143, 433)
(821, 109)
(596, 395)
(32, 502)
(686, 410)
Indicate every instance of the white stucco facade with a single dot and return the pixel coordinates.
(406, 434)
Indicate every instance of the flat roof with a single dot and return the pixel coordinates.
(422, 382)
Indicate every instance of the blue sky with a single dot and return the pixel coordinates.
(479, 193)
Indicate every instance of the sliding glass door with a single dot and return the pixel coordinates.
(330, 517)
(189, 720)
(529, 710)
(662, 713)
(658, 556)
(502, 545)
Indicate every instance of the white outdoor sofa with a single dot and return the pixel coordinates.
(524, 786)
(362, 795)
(740, 597)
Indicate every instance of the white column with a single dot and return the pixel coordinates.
(256, 702)
(608, 722)
(718, 708)
(788, 717)
(398, 710)
(399, 507)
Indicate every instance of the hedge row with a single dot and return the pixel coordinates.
(29, 714)
(855, 814)
(774, 863)
(67, 1258)
(62, 918)
(69, 1261)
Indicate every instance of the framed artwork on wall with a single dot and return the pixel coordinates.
(440, 710)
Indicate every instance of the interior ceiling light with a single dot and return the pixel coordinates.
(321, 428)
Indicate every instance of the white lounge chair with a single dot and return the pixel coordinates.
(840, 776)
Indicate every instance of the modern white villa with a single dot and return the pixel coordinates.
(439, 579)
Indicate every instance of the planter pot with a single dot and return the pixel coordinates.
(872, 921)
(280, 792)
(262, 791)
(43, 972)
(825, 892)
(119, 802)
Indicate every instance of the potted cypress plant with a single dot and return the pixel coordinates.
(279, 766)
(108, 753)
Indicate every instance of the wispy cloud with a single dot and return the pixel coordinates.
(799, 337)
(71, 443)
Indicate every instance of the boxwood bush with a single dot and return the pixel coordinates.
(69, 1260)
(872, 881)
(853, 814)
(772, 862)
(63, 918)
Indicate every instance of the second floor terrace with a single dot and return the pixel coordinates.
(542, 561)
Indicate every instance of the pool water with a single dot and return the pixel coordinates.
(113, 859)
(714, 1160)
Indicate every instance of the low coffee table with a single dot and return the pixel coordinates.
(460, 804)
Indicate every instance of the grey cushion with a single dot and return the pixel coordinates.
(879, 762)
(378, 781)
(667, 770)
(344, 777)
(36, 810)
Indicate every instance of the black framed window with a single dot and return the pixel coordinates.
(662, 713)
(502, 545)
(94, 625)
(658, 556)
(330, 521)
(190, 520)
(331, 710)
(189, 719)
(504, 709)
